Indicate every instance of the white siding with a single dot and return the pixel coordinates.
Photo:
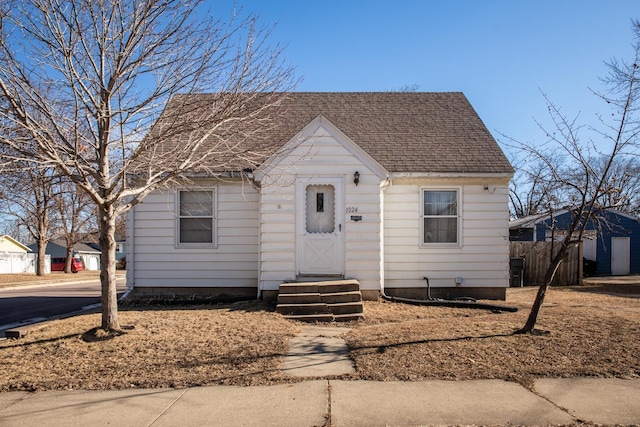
(7, 245)
(320, 155)
(233, 263)
(256, 231)
(481, 259)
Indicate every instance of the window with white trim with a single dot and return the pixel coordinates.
(440, 219)
(196, 217)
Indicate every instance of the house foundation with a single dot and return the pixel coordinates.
(448, 293)
(195, 293)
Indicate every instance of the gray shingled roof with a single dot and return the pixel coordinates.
(58, 248)
(403, 131)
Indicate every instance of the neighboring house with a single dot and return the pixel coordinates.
(9, 244)
(386, 188)
(15, 257)
(613, 242)
(121, 249)
(58, 249)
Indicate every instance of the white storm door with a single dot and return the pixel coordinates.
(620, 256)
(320, 244)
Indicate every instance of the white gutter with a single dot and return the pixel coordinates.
(467, 175)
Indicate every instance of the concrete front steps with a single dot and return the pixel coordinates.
(325, 301)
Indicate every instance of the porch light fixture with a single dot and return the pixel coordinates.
(356, 178)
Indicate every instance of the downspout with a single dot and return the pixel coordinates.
(384, 185)
(260, 224)
(130, 244)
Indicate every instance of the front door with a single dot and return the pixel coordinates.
(620, 256)
(320, 244)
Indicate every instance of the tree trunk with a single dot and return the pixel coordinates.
(542, 291)
(535, 309)
(108, 270)
(42, 240)
(42, 248)
(67, 264)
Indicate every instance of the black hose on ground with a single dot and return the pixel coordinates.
(451, 303)
(463, 302)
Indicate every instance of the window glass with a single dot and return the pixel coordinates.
(440, 216)
(196, 203)
(196, 217)
(440, 203)
(320, 209)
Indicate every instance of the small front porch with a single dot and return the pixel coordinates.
(321, 301)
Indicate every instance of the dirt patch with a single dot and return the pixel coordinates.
(590, 334)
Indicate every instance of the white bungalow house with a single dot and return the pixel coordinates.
(386, 188)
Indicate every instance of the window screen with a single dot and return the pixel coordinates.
(196, 216)
(440, 216)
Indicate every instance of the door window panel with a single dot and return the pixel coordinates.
(320, 209)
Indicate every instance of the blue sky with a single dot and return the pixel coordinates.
(499, 53)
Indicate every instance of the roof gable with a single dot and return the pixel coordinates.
(316, 125)
(11, 240)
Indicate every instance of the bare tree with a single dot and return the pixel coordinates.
(566, 163)
(109, 68)
(530, 192)
(29, 196)
(624, 184)
(11, 226)
(74, 211)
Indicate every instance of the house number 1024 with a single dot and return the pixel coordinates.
(352, 209)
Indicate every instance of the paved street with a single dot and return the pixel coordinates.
(31, 303)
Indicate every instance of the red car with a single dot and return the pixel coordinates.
(57, 264)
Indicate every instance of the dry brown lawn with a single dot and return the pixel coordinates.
(582, 332)
(13, 280)
(579, 333)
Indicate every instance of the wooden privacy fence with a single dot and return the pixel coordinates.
(537, 258)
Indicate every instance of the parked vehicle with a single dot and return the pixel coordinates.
(58, 263)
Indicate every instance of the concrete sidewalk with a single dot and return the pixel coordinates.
(336, 403)
(318, 352)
